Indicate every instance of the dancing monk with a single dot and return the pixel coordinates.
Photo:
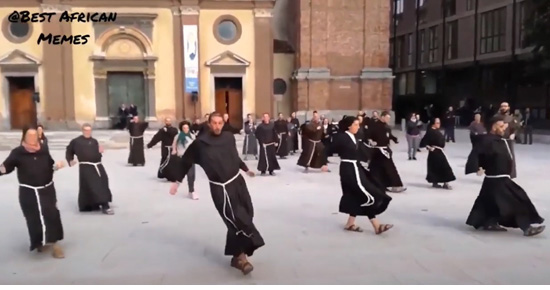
(37, 197)
(439, 169)
(501, 202)
(165, 135)
(362, 195)
(313, 151)
(267, 137)
(94, 192)
(216, 153)
(136, 130)
(281, 128)
(381, 164)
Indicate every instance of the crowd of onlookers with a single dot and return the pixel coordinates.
(464, 116)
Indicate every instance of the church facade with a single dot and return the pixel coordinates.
(185, 58)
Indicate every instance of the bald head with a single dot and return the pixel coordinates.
(504, 108)
(168, 121)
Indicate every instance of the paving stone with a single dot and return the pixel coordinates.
(156, 238)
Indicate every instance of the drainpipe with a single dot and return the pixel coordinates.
(512, 88)
(477, 69)
(417, 48)
(310, 55)
(394, 64)
(444, 46)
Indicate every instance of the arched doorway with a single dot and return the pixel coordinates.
(124, 71)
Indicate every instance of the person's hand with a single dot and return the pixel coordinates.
(480, 171)
(174, 188)
(60, 164)
(251, 173)
(73, 163)
(174, 152)
(512, 136)
(2, 169)
(101, 149)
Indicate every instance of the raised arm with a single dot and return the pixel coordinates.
(9, 164)
(156, 139)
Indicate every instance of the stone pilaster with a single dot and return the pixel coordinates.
(188, 15)
(263, 58)
(58, 74)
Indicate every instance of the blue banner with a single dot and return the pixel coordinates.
(191, 85)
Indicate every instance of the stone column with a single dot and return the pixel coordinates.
(189, 15)
(57, 73)
(263, 59)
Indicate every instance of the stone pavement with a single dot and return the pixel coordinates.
(155, 238)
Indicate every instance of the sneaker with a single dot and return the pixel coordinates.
(193, 196)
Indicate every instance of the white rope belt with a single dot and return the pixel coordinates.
(227, 202)
(312, 150)
(165, 163)
(134, 137)
(498, 176)
(265, 155)
(370, 198)
(509, 150)
(280, 140)
(96, 165)
(442, 151)
(36, 189)
(381, 148)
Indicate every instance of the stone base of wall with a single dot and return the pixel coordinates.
(5, 124)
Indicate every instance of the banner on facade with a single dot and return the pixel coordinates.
(191, 58)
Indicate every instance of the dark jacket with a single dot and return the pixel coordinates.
(413, 128)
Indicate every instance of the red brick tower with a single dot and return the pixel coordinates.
(342, 56)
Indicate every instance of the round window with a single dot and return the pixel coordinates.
(279, 87)
(227, 30)
(19, 29)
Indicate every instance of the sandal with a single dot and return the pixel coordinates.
(383, 228)
(354, 228)
(242, 265)
(533, 231)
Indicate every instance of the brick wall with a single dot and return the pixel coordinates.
(343, 55)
